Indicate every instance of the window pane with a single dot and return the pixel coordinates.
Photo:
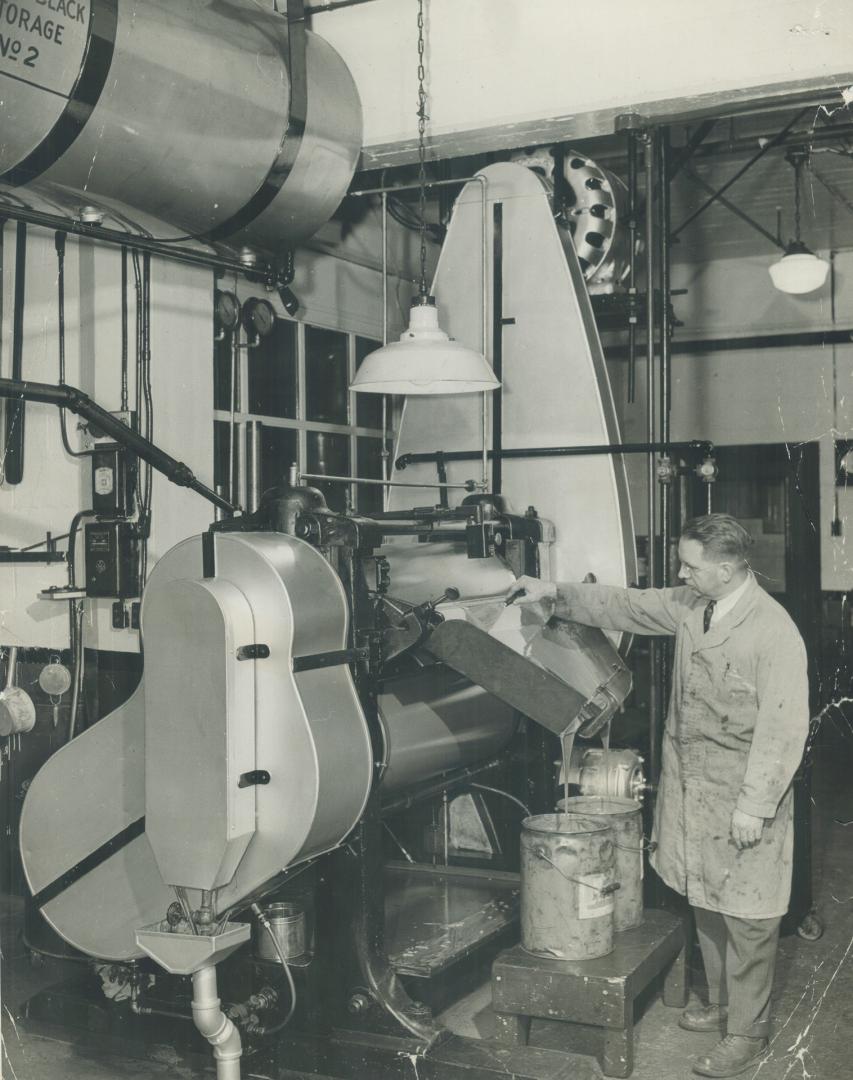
(222, 372)
(272, 372)
(278, 453)
(329, 454)
(221, 447)
(368, 407)
(326, 375)
(369, 496)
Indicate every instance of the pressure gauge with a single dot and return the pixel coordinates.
(258, 316)
(226, 310)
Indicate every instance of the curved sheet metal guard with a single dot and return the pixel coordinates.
(309, 733)
(217, 119)
(555, 390)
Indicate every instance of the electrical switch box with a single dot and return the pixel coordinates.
(112, 560)
(113, 480)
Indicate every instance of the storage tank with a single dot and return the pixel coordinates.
(209, 114)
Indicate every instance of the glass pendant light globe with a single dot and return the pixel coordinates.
(424, 361)
(799, 270)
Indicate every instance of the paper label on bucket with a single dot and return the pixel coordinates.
(592, 902)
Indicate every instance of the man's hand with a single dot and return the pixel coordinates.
(746, 829)
(531, 590)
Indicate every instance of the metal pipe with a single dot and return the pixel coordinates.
(497, 344)
(444, 783)
(77, 677)
(13, 456)
(803, 339)
(664, 213)
(133, 241)
(321, 6)
(697, 445)
(470, 485)
(651, 562)
(232, 421)
(632, 267)
(651, 426)
(70, 397)
(411, 187)
(484, 239)
(665, 340)
(386, 454)
(253, 465)
(241, 467)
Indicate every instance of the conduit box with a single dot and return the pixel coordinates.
(112, 560)
(113, 480)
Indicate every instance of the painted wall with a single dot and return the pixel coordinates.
(55, 486)
(759, 396)
(505, 73)
(340, 293)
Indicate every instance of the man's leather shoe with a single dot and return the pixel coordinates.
(703, 1018)
(734, 1055)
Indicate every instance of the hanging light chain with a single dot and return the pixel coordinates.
(798, 164)
(422, 123)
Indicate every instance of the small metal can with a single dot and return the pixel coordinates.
(287, 923)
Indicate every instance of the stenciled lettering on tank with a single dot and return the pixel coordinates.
(30, 30)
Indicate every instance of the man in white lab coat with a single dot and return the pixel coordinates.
(737, 722)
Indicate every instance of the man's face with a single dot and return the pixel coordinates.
(705, 577)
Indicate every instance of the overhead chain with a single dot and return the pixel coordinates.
(422, 123)
(798, 165)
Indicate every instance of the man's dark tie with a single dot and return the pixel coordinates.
(706, 618)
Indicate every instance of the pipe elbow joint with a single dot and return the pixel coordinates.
(227, 1046)
(215, 1026)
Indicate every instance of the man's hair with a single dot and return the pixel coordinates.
(722, 537)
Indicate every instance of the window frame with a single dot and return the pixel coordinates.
(300, 424)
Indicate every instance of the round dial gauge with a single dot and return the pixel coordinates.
(258, 316)
(226, 310)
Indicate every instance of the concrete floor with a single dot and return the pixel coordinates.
(813, 1005)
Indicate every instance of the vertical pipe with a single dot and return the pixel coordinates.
(232, 424)
(124, 332)
(385, 453)
(649, 163)
(77, 677)
(214, 1025)
(497, 344)
(632, 266)
(651, 425)
(665, 344)
(13, 451)
(240, 441)
(666, 652)
(253, 465)
(484, 240)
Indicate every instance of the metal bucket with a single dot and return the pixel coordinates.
(287, 921)
(567, 879)
(625, 818)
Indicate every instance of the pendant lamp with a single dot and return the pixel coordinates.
(425, 360)
(799, 270)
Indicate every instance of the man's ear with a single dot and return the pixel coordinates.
(726, 571)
